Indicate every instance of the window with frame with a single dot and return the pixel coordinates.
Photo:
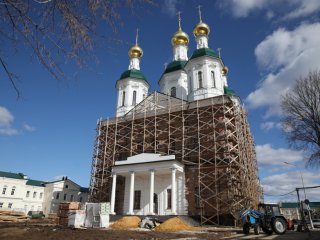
(190, 85)
(65, 196)
(80, 199)
(137, 199)
(123, 97)
(58, 196)
(10, 205)
(28, 194)
(4, 189)
(173, 92)
(41, 195)
(134, 98)
(34, 194)
(169, 198)
(213, 79)
(71, 198)
(200, 79)
(13, 190)
(1, 204)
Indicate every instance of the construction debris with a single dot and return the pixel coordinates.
(11, 216)
(149, 223)
(65, 209)
(126, 223)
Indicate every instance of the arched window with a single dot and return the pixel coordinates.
(173, 92)
(13, 190)
(200, 79)
(134, 98)
(213, 79)
(123, 97)
(4, 189)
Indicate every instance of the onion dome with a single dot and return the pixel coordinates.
(225, 70)
(202, 29)
(180, 37)
(135, 52)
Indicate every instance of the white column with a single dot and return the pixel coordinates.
(113, 192)
(173, 191)
(131, 196)
(151, 192)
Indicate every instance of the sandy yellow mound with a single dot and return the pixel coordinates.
(126, 223)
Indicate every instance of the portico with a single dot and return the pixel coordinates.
(154, 185)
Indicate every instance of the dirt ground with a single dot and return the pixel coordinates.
(47, 231)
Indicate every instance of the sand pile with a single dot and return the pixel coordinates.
(175, 224)
(126, 223)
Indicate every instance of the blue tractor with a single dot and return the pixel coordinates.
(267, 217)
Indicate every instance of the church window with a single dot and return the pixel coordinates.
(123, 97)
(200, 79)
(213, 79)
(13, 190)
(137, 199)
(134, 98)
(28, 194)
(168, 198)
(173, 92)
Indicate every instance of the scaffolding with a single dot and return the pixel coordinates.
(211, 137)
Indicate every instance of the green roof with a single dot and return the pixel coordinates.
(228, 91)
(84, 190)
(35, 183)
(295, 205)
(204, 52)
(12, 175)
(174, 66)
(133, 73)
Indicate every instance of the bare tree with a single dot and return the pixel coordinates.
(301, 120)
(55, 28)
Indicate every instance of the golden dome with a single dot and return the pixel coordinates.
(202, 29)
(180, 38)
(135, 52)
(225, 70)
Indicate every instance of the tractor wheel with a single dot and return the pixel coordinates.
(246, 228)
(256, 229)
(279, 226)
(267, 230)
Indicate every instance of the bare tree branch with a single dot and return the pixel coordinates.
(301, 116)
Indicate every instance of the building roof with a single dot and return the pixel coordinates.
(228, 91)
(133, 73)
(204, 52)
(295, 205)
(13, 175)
(174, 66)
(35, 183)
(84, 190)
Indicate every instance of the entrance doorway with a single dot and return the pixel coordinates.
(155, 204)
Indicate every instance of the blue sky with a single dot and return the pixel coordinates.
(49, 132)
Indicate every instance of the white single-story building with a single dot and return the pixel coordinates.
(154, 185)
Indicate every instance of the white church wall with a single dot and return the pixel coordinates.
(177, 79)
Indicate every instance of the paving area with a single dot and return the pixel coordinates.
(37, 231)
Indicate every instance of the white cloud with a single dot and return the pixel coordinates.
(6, 119)
(28, 128)
(170, 7)
(269, 125)
(285, 9)
(268, 156)
(288, 55)
(283, 183)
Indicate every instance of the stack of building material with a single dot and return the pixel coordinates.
(53, 217)
(11, 216)
(65, 209)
